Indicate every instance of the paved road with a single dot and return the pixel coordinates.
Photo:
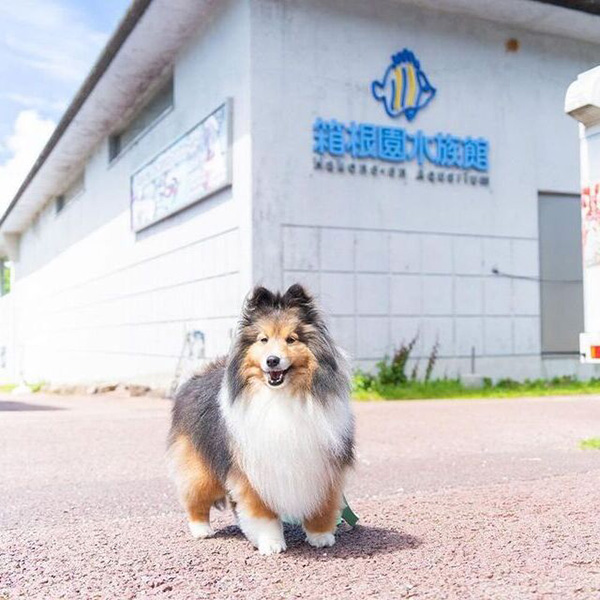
(459, 499)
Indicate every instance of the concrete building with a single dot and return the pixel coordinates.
(409, 161)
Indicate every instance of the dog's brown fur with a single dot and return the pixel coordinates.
(279, 331)
(198, 487)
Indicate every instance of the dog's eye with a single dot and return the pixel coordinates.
(290, 340)
(263, 340)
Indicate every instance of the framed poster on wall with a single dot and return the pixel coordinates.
(193, 167)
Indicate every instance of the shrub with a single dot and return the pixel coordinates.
(563, 380)
(507, 384)
(431, 360)
(392, 371)
(363, 381)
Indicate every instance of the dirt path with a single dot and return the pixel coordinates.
(459, 499)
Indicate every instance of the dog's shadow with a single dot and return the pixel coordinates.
(355, 542)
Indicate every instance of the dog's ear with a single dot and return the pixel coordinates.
(260, 297)
(296, 295)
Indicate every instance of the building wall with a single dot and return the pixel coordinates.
(8, 347)
(391, 259)
(97, 302)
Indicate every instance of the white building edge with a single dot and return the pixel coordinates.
(582, 102)
(92, 300)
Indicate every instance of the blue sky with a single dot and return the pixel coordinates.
(46, 49)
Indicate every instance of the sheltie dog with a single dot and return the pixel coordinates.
(268, 430)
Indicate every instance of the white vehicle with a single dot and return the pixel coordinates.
(582, 102)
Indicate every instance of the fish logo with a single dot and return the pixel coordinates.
(404, 89)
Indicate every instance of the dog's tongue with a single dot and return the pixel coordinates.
(276, 375)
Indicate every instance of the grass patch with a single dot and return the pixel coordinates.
(453, 388)
(9, 387)
(590, 444)
(393, 381)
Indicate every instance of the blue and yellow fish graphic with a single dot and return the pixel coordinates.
(404, 88)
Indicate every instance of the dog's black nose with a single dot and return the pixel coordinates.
(272, 361)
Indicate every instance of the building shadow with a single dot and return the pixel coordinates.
(11, 405)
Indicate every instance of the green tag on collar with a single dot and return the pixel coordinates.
(348, 514)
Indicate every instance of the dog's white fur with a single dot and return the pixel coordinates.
(285, 444)
(264, 534)
(201, 529)
(320, 540)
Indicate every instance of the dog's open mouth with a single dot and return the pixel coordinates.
(275, 378)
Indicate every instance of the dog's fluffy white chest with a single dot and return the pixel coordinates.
(286, 447)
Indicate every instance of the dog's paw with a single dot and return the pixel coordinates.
(271, 546)
(320, 540)
(201, 529)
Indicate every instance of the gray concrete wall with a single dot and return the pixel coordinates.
(8, 347)
(96, 301)
(390, 258)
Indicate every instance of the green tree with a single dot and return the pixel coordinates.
(4, 277)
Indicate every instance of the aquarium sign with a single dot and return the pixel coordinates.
(403, 91)
(396, 145)
(404, 88)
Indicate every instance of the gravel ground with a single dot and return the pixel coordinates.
(458, 499)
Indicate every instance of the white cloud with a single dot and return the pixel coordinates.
(43, 104)
(30, 134)
(49, 37)
(68, 60)
(46, 50)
